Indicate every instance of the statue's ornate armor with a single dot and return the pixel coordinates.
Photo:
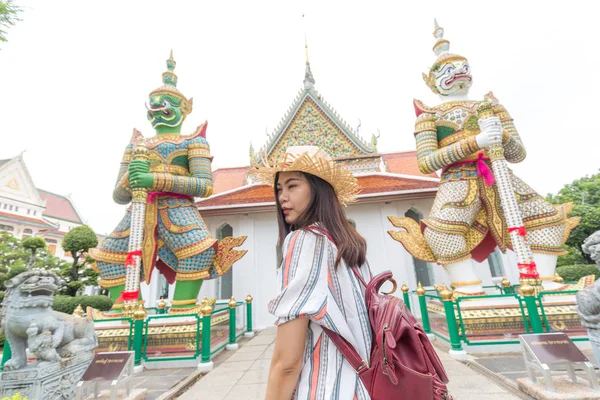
(466, 219)
(174, 230)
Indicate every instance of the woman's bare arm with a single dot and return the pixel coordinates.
(286, 363)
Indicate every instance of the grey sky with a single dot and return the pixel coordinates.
(75, 77)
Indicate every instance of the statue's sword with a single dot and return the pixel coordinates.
(136, 236)
(508, 202)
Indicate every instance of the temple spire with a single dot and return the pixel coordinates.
(309, 80)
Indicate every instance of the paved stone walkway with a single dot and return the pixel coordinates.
(157, 381)
(243, 376)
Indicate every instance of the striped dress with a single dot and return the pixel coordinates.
(312, 288)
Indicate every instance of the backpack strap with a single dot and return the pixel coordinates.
(348, 351)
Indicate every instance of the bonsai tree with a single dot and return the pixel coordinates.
(33, 244)
(78, 241)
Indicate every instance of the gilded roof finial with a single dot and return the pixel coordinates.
(306, 47)
(309, 80)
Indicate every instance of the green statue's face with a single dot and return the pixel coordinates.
(165, 110)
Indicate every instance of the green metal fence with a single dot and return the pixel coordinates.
(464, 332)
(173, 335)
(443, 315)
(106, 341)
(196, 335)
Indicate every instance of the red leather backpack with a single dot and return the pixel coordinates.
(404, 364)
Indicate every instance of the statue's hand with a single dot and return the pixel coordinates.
(142, 166)
(139, 177)
(491, 132)
(141, 180)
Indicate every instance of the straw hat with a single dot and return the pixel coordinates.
(312, 160)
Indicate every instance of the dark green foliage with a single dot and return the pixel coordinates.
(575, 257)
(585, 195)
(68, 304)
(572, 273)
(78, 241)
(33, 243)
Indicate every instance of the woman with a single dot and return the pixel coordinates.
(317, 286)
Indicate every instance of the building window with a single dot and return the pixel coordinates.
(225, 282)
(27, 233)
(51, 246)
(16, 208)
(10, 207)
(163, 287)
(7, 228)
(35, 213)
(28, 211)
(495, 262)
(423, 270)
(5, 205)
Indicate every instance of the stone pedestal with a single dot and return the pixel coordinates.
(594, 335)
(564, 389)
(50, 381)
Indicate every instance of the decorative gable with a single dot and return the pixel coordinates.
(16, 183)
(311, 124)
(311, 121)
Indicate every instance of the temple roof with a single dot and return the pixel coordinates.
(60, 207)
(310, 120)
(10, 217)
(402, 163)
(371, 185)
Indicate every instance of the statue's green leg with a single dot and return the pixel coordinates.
(115, 292)
(186, 290)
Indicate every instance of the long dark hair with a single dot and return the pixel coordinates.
(325, 208)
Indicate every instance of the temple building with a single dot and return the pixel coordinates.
(26, 210)
(390, 183)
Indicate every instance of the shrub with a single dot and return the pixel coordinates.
(68, 304)
(2, 339)
(575, 272)
(16, 396)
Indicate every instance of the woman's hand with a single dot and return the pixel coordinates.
(139, 177)
(288, 356)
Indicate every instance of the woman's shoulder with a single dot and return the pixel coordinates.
(305, 235)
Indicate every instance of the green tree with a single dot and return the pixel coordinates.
(9, 14)
(14, 258)
(585, 195)
(33, 244)
(78, 241)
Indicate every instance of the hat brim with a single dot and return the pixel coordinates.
(343, 181)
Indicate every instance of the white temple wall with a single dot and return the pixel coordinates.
(256, 272)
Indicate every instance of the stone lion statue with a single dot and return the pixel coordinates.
(29, 321)
(591, 246)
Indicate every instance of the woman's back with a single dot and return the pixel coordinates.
(311, 287)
